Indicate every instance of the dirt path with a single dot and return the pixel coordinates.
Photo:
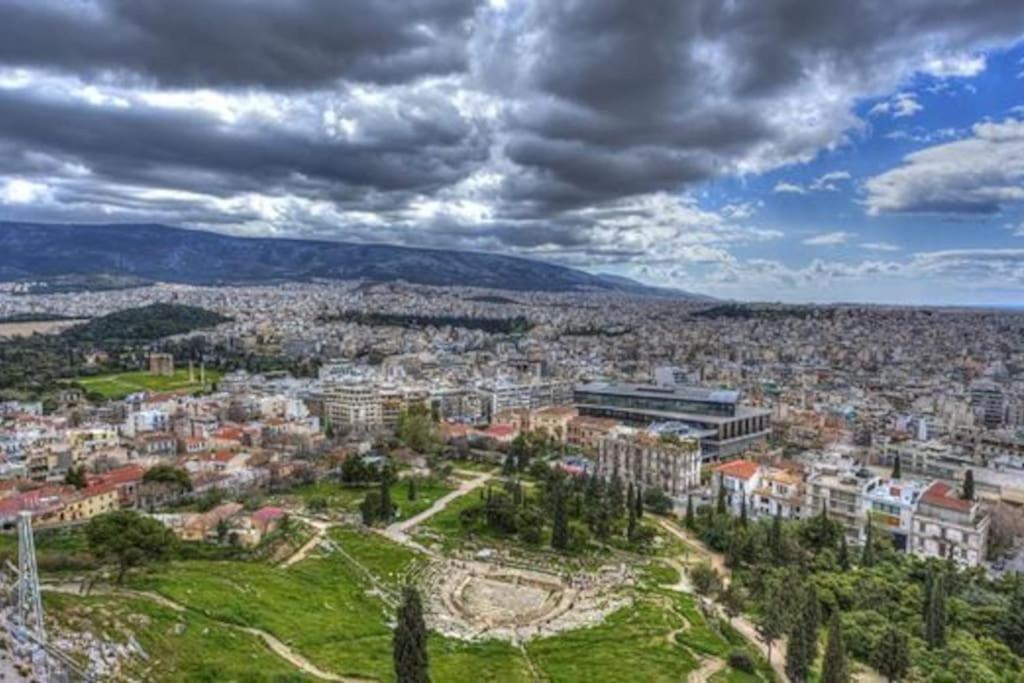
(709, 666)
(307, 547)
(439, 504)
(272, 642)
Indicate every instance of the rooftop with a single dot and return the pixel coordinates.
(683, 393)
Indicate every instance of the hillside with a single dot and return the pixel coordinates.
(35, 251)
(144, 324)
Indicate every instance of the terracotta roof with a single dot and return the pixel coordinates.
(740, 469)
(943, 495)
(500, 430)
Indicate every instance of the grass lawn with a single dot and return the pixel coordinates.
(180, 646)
(346, 498)
(119, 385)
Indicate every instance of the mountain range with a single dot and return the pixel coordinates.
(148, 252)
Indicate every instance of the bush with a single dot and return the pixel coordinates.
(742, 661)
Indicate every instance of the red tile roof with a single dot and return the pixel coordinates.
(499, 431)
(943, 495)
(739, 469)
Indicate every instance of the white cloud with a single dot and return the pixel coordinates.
(829, 181)
(788, 188)
(879, 246)
(976, 175)
(829, 239)
(955, 65)
(21, 191)
(901, 105)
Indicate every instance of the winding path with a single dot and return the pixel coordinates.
(398, 532)
(275, 645)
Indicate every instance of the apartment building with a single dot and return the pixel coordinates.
(670, 464)
(845, 492)
(739, 479)
(587, 432)
(948, 527)
(780, 492)
(503, 394)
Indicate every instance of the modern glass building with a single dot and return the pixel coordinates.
(730, 426)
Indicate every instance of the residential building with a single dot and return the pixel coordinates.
(948, 527)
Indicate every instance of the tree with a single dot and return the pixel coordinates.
(317, 505)
(774, 613)
(387, 508)
(892, 654)
(835, 668)
(967, 493)
(935, 620)
(370, 507)
(1012, 627)
(775, 537)
(844, 554)
(129, 539)
(897, 470)
(867, 556)
(410, 492)
(743, 510)
(409, 642)
(560, 518)
(802, 646)
(731, 600)
(720, 503)
(639, 501)
(706, 580)
(616, 497)
(689, 520)
(76, 477)
(416, 429)
(175, 476)
(222, 530)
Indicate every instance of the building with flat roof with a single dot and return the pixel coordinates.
(731, 426)
(948, 527)
(669, 463)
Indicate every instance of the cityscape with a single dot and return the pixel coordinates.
(512, 341)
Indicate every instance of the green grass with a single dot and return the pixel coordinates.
(388, 561)
(180, 646)
(119, 385)
(346, 498)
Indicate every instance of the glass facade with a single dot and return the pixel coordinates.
(660, 403)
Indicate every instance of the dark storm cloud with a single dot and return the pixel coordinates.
(614, 97)
(282, 44)
(184, 150)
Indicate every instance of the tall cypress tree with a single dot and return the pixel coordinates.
(743, 510)
(802, 645)
(812, 619)
(409, 640)
(968, 491)
(639, 501)
(1012, 627)
(616, 497)
(560, 520)
(387, 508)
(935, 624)
(897, 469)
(867, 557)
(720, 503)
(844, 553)
(688, 520)
(835, 668)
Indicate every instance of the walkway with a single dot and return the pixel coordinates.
(398, 532)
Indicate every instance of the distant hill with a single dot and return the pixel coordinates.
(143, 324)
(35, 251)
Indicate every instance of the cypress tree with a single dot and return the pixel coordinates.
(387, 508)
(844, 553)
(1012, 627)
(688, 520)
(812, 619)
(639, 501)
(411, 489)
(802, 645)
(616, 497)
(410, 640)
(935, 624)
(968, 490)
(835, 668)
(720, 504)
(560, 521)
(892, 655)
(897, 470)
(743, 510)
(867, 558)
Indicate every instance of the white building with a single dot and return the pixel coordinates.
(948, 527)
(671, 464)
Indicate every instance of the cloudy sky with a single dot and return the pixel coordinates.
(799, 150)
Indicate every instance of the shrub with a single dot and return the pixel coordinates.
(742, 661)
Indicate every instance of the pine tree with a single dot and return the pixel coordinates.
(892, 655)
(897, 470)
(867, 557)
(720, 504)
(835, 668)
(688, 520)
(560, 520)
(844, 553)
(387, 508)
(935, 624)
(410, 640)
(968, 491)
(743, 510)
